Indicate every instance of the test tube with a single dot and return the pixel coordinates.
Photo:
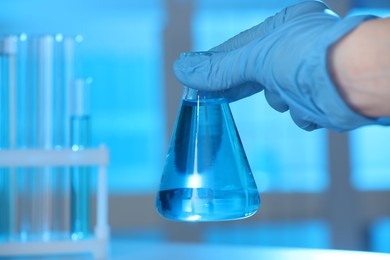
(80, 176)
(24, 132)
(43, 203)
(8, 134)
(4, 144)
(30, 187)
(63, 74)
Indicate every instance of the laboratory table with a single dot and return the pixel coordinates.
(167, 251)
(131, 250)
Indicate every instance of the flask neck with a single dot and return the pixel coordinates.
(194, 95)
(201, 96)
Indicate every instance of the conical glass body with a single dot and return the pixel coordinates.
(206, 175)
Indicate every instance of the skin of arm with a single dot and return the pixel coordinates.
(360, 67)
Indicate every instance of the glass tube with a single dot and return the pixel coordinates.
(25, 131)
(80, 176)
(34, 77)
(63, 75)
(7, 134)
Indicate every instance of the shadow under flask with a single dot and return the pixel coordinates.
(206, 175)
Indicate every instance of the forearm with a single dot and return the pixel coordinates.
(360, 66)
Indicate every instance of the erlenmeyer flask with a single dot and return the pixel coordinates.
(206, 175)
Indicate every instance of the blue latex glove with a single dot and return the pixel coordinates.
(286, 56)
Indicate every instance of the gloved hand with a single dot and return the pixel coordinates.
(286, 56)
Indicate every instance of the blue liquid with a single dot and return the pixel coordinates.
(5, 200)
(80, 181)
(207, 205)
(6, 213)
(206, 175)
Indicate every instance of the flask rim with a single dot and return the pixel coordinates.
(192, 95)
(199, 96)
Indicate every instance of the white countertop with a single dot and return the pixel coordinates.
(123, 249)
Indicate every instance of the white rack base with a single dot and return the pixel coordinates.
(97, 245)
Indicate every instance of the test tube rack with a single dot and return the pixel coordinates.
(97, 245)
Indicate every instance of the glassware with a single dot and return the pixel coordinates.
(35, 113)
(7, 132)
(206, 175)
(80, 175)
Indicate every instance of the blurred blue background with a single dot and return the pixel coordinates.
(127, 50)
